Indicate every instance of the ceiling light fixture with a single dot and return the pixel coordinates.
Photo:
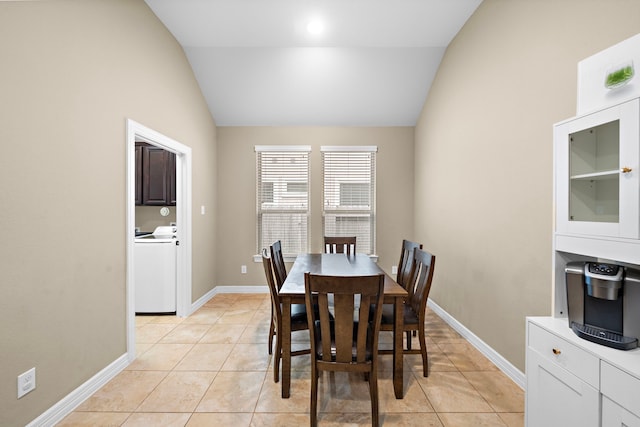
(315, 27)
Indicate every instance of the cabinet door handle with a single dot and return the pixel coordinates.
(556, 351)
(626, 169)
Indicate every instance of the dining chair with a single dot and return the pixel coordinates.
(280, 273)
(406, 258)
(298, 317)
(339, 245)
(415, 307)
(404, 266)
(277, 258)
(346, 339)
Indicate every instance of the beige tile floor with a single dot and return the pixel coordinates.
(213, 369)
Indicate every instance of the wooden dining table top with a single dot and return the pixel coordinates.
(335, 265)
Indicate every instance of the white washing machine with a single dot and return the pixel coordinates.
(155, 271)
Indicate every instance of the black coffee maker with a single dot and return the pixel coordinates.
(604, 303)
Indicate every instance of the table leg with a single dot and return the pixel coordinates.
(398, 380)
(286, 346)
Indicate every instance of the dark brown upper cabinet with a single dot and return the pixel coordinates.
(155, 176)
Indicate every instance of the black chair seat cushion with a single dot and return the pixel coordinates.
(298, 313)
(319, 351)
(409, 315)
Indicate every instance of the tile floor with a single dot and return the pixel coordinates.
(213, 369)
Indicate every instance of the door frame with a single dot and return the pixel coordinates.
(139, 132)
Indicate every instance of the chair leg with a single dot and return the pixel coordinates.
(408, 333)
(423, 351)
(276, 359)
(313, 415)
(373, 390)
(270, 339)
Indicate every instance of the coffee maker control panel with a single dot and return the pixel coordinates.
(604, 271)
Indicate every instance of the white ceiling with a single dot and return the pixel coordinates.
(258, 66)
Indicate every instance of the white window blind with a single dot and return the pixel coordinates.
(282, 190)
(349, 194)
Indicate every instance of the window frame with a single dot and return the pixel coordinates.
(350, 212)
(261, 237)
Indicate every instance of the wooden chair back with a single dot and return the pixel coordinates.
(420, 280)
(279, 269)
(339, 245)
(344, 331)
(406, 261)
(276, 313)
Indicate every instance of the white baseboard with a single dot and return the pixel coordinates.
(64, 407)
(202, 301)
(503, 364)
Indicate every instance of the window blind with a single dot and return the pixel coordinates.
(349, 194)
(282, 190)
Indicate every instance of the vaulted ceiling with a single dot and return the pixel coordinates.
(371, 63)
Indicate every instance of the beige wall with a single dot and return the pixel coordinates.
(237, 192)
(484, 146)
(72, 73)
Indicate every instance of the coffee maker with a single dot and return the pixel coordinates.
(604, 303)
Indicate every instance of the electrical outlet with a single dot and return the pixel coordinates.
(394, 269)
(243, 269)
(26, 382)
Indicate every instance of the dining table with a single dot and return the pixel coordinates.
(293, 292)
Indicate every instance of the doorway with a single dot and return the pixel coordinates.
(138, 132)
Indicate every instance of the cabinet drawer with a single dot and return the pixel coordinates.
(579, 362)
(615, 415)
(620, 387)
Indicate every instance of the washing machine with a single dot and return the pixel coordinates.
(155, 271)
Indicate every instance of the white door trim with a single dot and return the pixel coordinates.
(183, 218)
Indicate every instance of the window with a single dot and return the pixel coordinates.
(282, 190)
(349, 194)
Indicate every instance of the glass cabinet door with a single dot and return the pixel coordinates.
(596, 176)
(594, 155)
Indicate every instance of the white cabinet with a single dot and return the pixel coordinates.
(573, 382)
(559, 374)
(597, 173)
